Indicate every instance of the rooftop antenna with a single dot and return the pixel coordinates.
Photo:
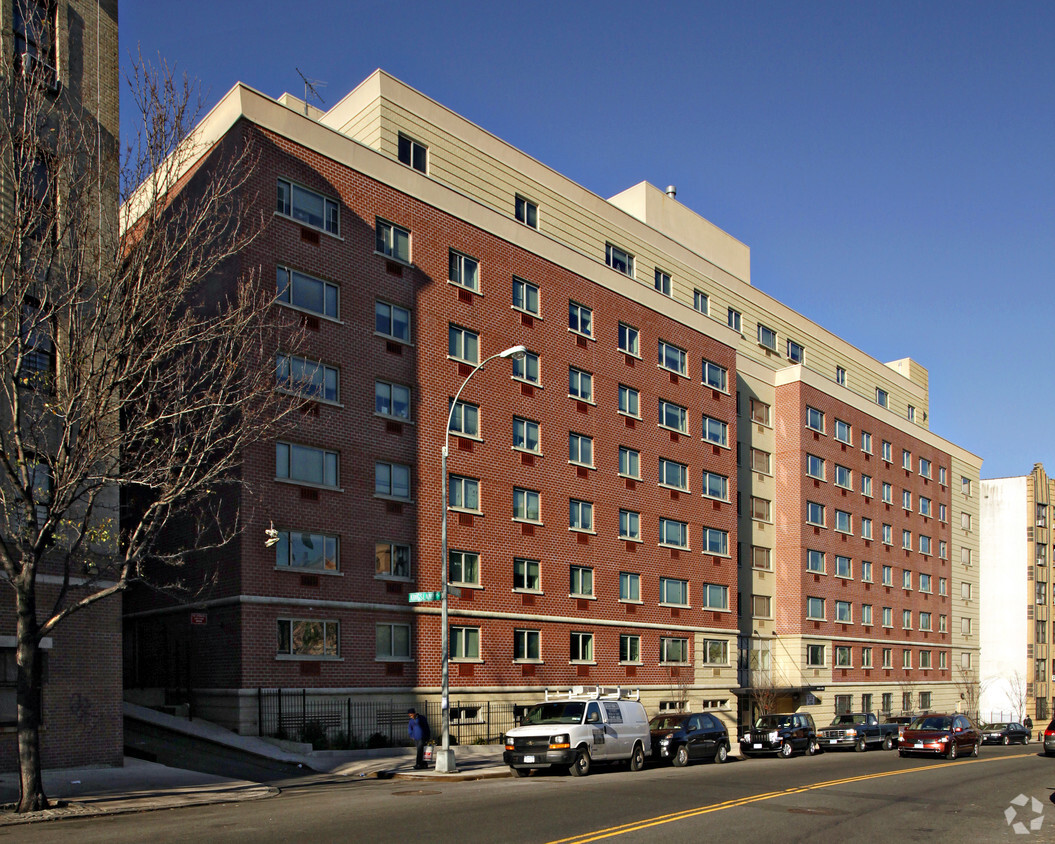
(309, 86)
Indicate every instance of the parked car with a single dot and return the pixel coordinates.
(1004, 732)
(859, 730)
(1049, 739)
(782, 733)
(577, 728)
(941, 735)
(682, 738)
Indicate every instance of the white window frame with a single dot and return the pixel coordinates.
(284, 468)
(678, 361)
(461, 488)
(682, 412)
(287, 207)
(629, 340)
(580, 319)
(619, 259)
(289, 284)
(523, 290)
(458, 341)
(392, 241)
(580, 384)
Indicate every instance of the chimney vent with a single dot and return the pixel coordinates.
(672, 191)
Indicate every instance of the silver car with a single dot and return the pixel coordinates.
(1049, 739)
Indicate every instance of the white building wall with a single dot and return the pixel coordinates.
(1004, 597)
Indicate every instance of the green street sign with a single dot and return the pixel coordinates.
(418, 597)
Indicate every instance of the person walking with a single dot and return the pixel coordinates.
(1028, 724)
(418, 729)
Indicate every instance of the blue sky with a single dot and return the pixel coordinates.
(891, 165)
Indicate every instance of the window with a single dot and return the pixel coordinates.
(580, 582)
(580, 384)
(392, 641)
(463, 493)
(630, 525)
(761, 606)
(308, 638)
(580, 515)
(715, 486)
(629, 401)
(760, 509)
(866, 571)
(761, 461)
(888, 616)
(924, 544)
(464, 567)
(629, 648)
(526, 212)
(715, 597)
(662, 282)
(888, 575)
(965, 556)
(843, 612)
(465, 643)
(306, 206)
(795, 352)
(629, 462)
(393, 241)
(840, 376)
(965, 521)
(391, 400)
(761, 558)
(866, 662)
(526, 644)
(391, 559)
(304, 464)
(465, 419)
(716, 542)
(906, 539)
(888, 662)
(526, 368)
(717, 377)
(309, 294)
(619, 260)
(463, 344)
(629, 340)
(965, 660)
(814, 419)
(815, 561)
(673, 416)
(734, 320)
(941, 475)
(866, 615)
(715, 652)
(580, 319)
(906, 459)
(673, 532)
(815, 656)
(843, 522)
(924, 621)
(888, 534)
(412, 153)
(906, 619)
(306, 377)
(866, 528)
(888, 451)
(672, 358)
(906, 662)
(943, 586)
(715, 431)
(888, 493)
(814, 513)
(843, 566)
(942, 513)
(843, 432)
(924, 467)
(526, 575)
(581, 649)
(629, 586)
(965, 590)
(526, 505)
(843, 477)
(843, 660)
(906, 500)
(815, 466)
(866, 442)
(464, 271)
(759, 412)
(673, 650)
(700, 301)
(580, 449)
(943, 550)
(525, 296)
(307, 550)
(965, 485)
(525, 434)
(882, 399)
(673, 474)
(767, 337)
(924, 506)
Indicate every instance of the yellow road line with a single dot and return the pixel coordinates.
(685, 814)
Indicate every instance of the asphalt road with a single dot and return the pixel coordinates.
(843, 797)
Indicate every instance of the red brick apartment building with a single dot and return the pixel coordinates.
(623, 501)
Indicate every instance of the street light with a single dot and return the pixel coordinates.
(445, 760)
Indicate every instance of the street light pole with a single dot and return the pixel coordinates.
(445, 759)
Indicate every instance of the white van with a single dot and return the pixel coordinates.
(574, 729)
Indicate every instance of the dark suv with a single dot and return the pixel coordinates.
(782, 733)
(680, 738)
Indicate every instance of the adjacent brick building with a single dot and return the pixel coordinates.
(623, 501)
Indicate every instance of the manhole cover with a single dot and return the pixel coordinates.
(414, 793)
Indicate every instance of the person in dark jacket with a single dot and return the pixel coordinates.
(418, 729)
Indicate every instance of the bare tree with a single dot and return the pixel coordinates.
(970, 688)
(1016, 693)
(137, 361)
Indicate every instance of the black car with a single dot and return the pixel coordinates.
(782, 733)
(684, 737)
(1005, 732)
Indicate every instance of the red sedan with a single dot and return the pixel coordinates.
(941, 735)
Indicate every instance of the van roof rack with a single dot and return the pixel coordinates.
(597, 693)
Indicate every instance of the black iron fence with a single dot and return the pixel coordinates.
(344, 723)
